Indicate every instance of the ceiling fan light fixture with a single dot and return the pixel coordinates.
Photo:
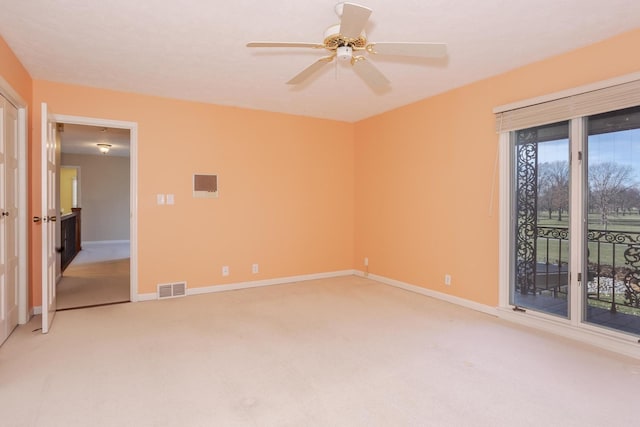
(104, 148)
(344, 53)
(347, 38)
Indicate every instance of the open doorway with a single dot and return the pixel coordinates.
(94, 193)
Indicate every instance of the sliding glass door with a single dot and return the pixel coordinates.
(601, 204)
(612, 295)
(541, 219)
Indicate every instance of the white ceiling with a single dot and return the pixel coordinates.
(195, 49)
(82, 139)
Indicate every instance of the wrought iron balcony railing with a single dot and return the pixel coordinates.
(613, 271)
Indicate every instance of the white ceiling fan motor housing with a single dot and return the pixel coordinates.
(344, 53)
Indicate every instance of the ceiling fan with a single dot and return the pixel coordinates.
(348, 42)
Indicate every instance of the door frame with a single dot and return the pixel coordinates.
(133, 185)
(23, 242)
(573, 327)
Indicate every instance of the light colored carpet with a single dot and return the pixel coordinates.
(99, 274)
(102, 251)
(337, 352)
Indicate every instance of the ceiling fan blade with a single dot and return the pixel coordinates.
(310, 70)
(422, 50)
(369, 73)
(354, 18)
(285, 44)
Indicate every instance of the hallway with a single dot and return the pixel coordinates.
(98, 275)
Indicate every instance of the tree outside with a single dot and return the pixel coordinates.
(609, 183)
(612, 190)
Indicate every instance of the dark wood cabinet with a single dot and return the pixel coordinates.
(70, 236)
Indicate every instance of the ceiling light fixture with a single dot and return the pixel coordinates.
(104, 148)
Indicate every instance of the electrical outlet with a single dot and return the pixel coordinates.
(255, 268)
(225, 270)
(447, 279)
(366, 261)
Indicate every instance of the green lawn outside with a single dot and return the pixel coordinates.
(626, 223)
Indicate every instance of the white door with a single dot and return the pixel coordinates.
(8, 218)
(49, 142)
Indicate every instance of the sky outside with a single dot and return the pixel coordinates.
(618, 147)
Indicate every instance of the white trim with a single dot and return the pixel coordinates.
(23, 189)
(133, 186)
(93, 121)
(36, 310)
(618, 344)
(253, 284)
(577, 211)
(568, 92)
(431, 293)
(572, 328)
(611, 340)
(152, 296)
(12, 96)
(104, 242)
(505, 219)
(23, 218)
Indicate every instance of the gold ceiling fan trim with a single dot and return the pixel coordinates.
(343, 40)
(335, 41)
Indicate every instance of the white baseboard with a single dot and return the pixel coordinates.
(147, 297)
(430, 293)
(36, 310)
(104, 242)
(611, 341)
(254, 284)
(627, 346)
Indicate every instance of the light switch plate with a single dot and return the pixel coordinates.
(160, 199)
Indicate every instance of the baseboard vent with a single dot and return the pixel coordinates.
(172, 290)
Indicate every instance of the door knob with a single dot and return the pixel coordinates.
(5, 213)
(52, 218)
(36, 219)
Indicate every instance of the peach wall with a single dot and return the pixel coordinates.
(12, 70)
(410, 189)
(425, 173)
(285, 184)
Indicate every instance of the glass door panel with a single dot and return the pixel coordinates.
(540, 261)
(612, 295)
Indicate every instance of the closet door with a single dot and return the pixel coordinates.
(8, 218)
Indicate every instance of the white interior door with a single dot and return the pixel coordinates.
(4, 321)
(49, 217)
(8, 218)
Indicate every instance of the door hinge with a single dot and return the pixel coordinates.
(579, 155)
(579, 277)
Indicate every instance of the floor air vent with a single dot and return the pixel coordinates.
(172, 290)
